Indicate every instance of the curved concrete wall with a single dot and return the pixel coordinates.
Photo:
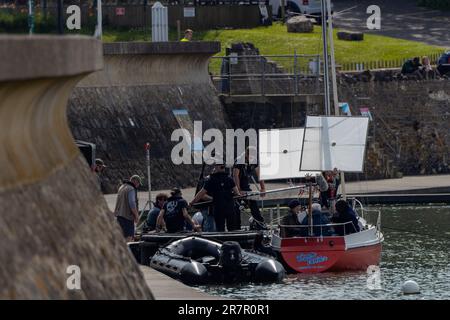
(52, 215)
(130, 102)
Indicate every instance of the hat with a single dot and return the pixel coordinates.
(99, 162)
(175, 191)
(294, 203)
(136, 177)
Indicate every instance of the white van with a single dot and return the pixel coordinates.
(311, 7)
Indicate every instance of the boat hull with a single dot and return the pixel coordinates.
(321, 254)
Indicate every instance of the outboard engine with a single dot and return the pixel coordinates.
(194, 273)
(230, 255)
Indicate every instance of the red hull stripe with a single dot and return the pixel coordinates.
(316, 258)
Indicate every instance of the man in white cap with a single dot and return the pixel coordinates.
(126, 210)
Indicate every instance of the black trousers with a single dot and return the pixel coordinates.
(223, 216)
(254, 209)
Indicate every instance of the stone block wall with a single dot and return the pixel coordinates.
(52, 215)
(131, 101)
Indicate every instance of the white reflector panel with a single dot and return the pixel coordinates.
(279, 153)
(334, 142)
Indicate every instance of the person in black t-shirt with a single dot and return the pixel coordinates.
(174, 213)
(221, 187)
(243, 171)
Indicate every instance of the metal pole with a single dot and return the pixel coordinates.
(60, 17)
(333, 61)
(278, 212)
(30, 17)
(326, 79)
(334, 83)
(310, 218)
(263, 75)
(99, 31)
(147, 149)
(229, 75)
(271, 218)
(295, 72)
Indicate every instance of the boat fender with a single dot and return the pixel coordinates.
(230, 254)
(269, 270)
(194, 273)
(331, 243)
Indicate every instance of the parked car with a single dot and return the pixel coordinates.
(307, 7)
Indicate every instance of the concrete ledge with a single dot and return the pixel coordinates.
(37, 75)
(161, 48)
(33, 57)
(157, 63)
(166, 288)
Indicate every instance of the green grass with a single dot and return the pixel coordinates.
(275, 40)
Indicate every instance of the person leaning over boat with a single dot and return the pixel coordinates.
(126, 210)
(243, 170)
(345, 214)
(290, 220)
(221, 187)
(174, 213)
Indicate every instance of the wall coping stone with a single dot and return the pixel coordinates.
(52, 56)
(161, 48)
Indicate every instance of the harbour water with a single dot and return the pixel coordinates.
(416, 247)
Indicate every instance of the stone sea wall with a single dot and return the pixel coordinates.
(52, 214)
(131, 101)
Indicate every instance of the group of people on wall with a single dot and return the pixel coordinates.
(422, 68)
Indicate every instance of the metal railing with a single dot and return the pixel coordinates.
(266, 75)
(384, 64)
(364, 213)
(330, 227)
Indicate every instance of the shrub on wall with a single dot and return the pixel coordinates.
(435, 4)
(17, 22)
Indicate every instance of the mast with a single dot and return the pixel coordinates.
(333, 60)
(326, 77)
(334, 83)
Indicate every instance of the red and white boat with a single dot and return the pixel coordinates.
(355, 251)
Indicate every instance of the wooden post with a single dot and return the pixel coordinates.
(179, 30)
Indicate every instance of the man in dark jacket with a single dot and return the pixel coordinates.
(290, 220)
(411, 66)
(221, 187)
(345, 214)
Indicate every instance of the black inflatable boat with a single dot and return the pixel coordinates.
(149, 243)
(197, 261)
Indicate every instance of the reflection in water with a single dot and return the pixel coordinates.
(416, 247)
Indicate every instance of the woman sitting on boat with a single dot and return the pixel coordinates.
(345, 214)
